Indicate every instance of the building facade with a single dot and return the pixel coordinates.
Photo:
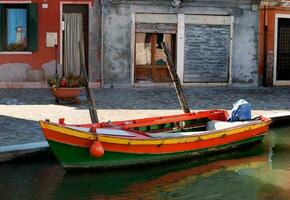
(212, 43)
(274, 40)
(38, 38)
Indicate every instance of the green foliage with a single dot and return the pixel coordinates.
(16, 47)
(69, 81)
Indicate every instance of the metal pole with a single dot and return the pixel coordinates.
(56, 58)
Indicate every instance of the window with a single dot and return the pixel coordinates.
(18, 27)
(150, 59)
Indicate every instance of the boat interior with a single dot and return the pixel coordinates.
(163, 127)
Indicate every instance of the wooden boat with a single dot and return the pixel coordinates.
(149, 140)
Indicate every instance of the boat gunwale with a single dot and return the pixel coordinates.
(172, 118)
(157, 141)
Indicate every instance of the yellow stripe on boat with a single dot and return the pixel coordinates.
(151, 141)
(154, 141)
(68, 131)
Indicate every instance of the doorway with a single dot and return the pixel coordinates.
(75, 38)
(283, 50)
(150, 59)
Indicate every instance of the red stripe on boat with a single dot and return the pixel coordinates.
(181, 147)
(67, 139)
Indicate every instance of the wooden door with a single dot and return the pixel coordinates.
(150, 60)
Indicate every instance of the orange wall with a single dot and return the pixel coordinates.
(48, 21)
(267, 29)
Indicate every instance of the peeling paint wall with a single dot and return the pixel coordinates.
(245, 48)
(117, 37)
(48, 21)
(14, 72)
(118, 23)
(39, 65)
(50, 68)
(95, 24)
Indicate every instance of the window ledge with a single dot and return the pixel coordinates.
(15, 52)
(14, 2)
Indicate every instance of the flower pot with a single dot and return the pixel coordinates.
(66, 94)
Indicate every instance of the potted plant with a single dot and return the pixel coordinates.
(66, 88)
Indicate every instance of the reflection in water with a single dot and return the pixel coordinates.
(256, 172)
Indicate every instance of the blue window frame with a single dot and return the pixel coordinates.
(16, 28)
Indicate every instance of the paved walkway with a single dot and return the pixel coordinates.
(20, 109)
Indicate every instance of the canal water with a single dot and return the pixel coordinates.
(257, 172)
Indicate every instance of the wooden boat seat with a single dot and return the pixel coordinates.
(211, 126)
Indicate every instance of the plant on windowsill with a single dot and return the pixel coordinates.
(66, 88)
(16, 47)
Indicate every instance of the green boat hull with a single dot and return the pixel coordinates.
(77, 157)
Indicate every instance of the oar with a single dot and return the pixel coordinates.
(89, 91)
(175, 79)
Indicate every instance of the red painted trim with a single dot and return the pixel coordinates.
(165, 120)
(173, 148)
(15, 2)
(90, 3)
(212, 115)
(67, 139)
(156, 149)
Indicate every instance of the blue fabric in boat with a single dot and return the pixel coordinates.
(241, 111)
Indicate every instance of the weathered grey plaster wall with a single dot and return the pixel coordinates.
(22, 72)
(116, 45)
(49, 69)
(14, 72)
(117, 38)
(95, 25)
(245, 48)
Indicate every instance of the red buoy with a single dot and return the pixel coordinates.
(97, 149)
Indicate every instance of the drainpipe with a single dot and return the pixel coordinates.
(264, 69)
(102, 43)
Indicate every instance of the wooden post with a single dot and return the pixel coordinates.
(89, 91)
(175, 79)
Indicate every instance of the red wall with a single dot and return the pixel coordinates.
(48, 21)
(267, 29)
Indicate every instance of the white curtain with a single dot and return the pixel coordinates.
(73, 41)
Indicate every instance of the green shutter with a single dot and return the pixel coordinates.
(1, 26)
(33, 27)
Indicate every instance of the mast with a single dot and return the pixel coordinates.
(175, 79)
(89, 91)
